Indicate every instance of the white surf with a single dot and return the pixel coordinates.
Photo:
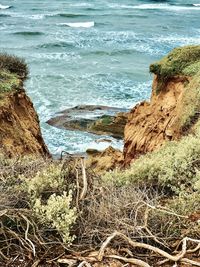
(4, 7)
(87, 24)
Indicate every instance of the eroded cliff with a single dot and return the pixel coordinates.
(20, 132)
(173, 108)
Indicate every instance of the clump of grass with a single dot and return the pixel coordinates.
(180, 61)
(15, 65)
(190, 107)
(9, 82)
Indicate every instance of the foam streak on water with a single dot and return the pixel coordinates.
(92, 52)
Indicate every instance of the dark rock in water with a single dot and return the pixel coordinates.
(103, 140)
(113, 125)
(94, 119)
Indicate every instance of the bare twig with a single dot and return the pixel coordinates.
(132, 243)
(130, 260)
(84, 263)
(195, 263)
(165, 210)
(35, 264)
(85, 183)
(104, 245)
(26, 235)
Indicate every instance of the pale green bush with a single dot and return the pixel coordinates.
(173, 166)
(50, 179)
(197, 182)
(58, 214)
(179, 220)
(189, 112)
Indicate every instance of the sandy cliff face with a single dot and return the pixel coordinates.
(174, 105)
(150, 124)
(19, 126)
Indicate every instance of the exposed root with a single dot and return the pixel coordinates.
(84, 263)
(130, 260)
(169, 257)
(194, 263)
(104, 246)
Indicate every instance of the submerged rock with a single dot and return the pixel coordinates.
(100, 120)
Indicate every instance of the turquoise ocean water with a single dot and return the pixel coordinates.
(103, 62)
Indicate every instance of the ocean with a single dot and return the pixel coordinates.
(92, 52)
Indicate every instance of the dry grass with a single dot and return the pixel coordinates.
(142, 214)
(15, 65)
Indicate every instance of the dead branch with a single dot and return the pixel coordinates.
(3, 256)
(134, 244)
(85, 183)
(84, 263)
(104, 246)
(35, 264)
(26, 235)
(165, 210)
(195, 263)
(130, 260)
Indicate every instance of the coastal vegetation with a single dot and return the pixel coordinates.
(57, 212)
(14, 65)
(13, 71)
(180, 61)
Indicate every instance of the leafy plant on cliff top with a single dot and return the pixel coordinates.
(190, 107)
(8, 82)
(180, 61)
(14, 64)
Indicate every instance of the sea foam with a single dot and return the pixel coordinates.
(166, 7)
(156, 7)
(87, 24)
(4, 7)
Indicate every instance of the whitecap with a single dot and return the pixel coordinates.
(157, 7)
(165, 6)
(87, 24)
(4, 7)
(34, 17)
(81, 5)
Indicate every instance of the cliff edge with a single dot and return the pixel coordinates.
(173, 109)
(20, 132)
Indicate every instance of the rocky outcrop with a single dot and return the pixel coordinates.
(110, 125)
(102, 161)
(20, 132)
(100, 120)
(173, 107)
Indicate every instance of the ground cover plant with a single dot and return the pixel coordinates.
(41, 208)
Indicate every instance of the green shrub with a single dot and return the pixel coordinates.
(176, 221)
(14, 64)
(180, 61)
(8, 82)
(49, 200)
(173, 166)
(46, 181)
(58, 214)
(190, 107)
